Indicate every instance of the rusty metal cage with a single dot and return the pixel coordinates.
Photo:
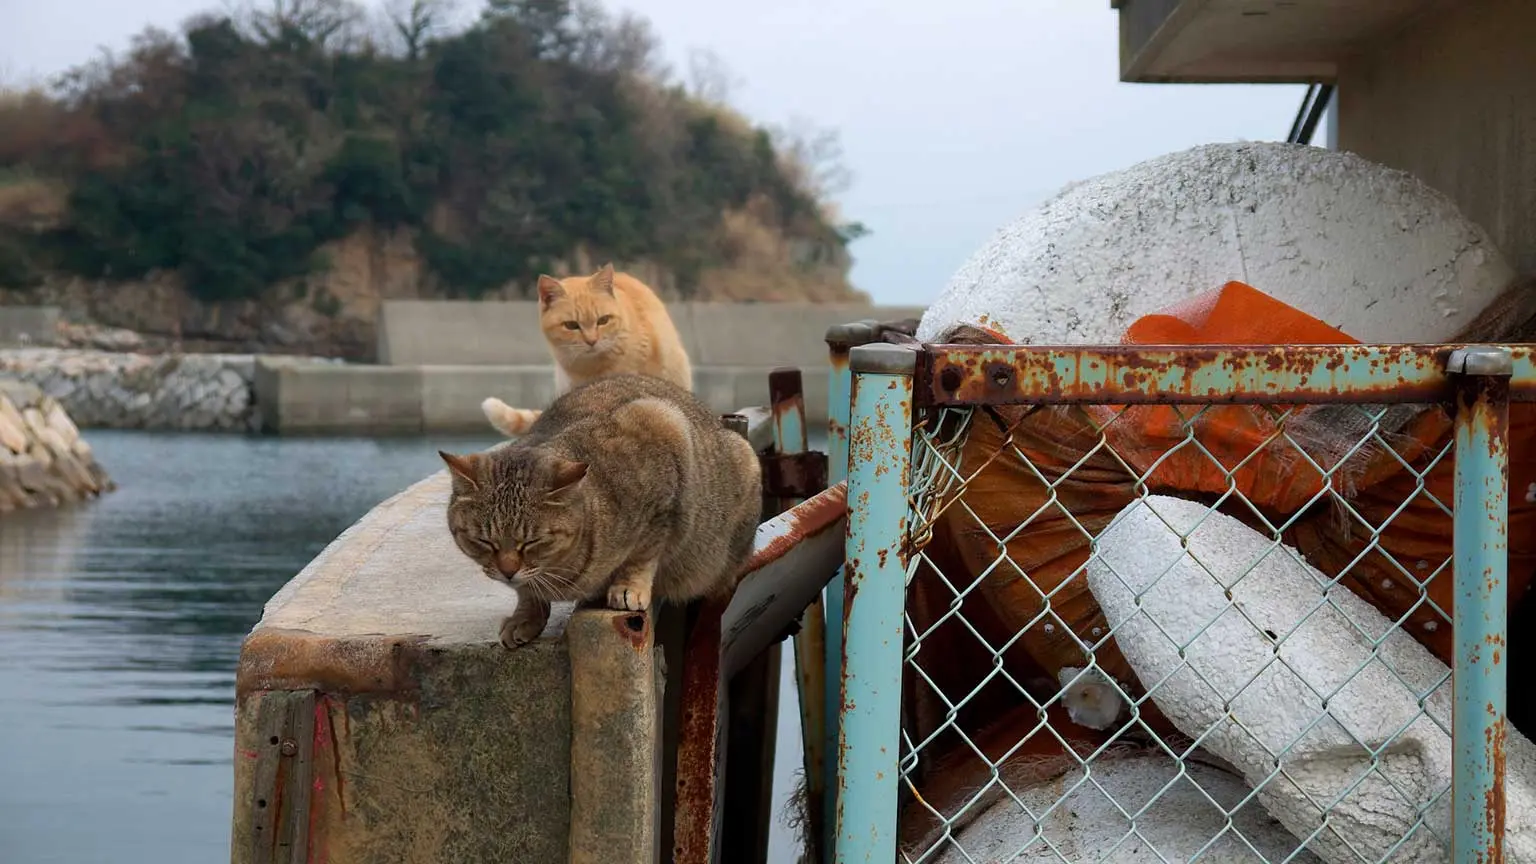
(1174, 604)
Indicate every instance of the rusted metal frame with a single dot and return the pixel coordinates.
(698, 791)
(793, 476)
(284, 750)
(1481, 378)
(750, 716)
(748, 713)
(787, 397)
(701, 741)
(959, 375)
(840, 340)
(869, 739)
(722, 638)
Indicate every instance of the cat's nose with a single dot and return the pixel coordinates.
(508, 562)
(589, 338)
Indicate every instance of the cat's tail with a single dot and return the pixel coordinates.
(506, 419)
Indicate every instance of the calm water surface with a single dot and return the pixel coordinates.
(121, 621)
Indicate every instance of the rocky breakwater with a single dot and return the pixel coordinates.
(43, 460)
(141, 391)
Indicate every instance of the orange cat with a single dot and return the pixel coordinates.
(606, 322)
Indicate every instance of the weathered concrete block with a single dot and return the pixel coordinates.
(456, 332)
(773, 334)
(616, 681)
(324, 397)
(426, 740)
(451, 395)
(28, 325)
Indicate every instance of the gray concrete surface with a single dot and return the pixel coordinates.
(1197, 41)
(1451, 98)
(448, 333)
(384, 400)
(449, 370)
(22, 326)
(431, 741)
(297, 398)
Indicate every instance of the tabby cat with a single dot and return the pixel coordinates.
(608, 322)
(627, 489)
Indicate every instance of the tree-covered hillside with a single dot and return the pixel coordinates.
(232, 153)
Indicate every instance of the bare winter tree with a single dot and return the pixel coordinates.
(710, 79)
(321, 23)
(414, 23)
(813, 155)
(624, 44)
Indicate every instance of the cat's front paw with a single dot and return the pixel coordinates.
(628, 597)
(526, 621)
(519, 630)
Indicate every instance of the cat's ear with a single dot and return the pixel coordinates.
(550, 290)
(567, 475)
(603, 281)
(463, 468)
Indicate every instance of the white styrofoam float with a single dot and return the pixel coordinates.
(1177, 818)
(1368, 249)
(1281, 682)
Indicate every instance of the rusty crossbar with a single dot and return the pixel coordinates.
(962, 375)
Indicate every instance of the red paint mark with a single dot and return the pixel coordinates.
(250, 754)
(330, 724)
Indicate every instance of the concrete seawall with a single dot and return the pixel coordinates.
(440, 359)
(321, 398)
(726, 335)
(112, 390)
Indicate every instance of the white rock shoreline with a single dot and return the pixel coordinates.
(113, 390)
(43, 460)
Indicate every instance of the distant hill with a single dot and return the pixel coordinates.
(265, 178)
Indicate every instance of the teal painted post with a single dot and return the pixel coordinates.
(840, 339)
(879, 469)
(1478, 686)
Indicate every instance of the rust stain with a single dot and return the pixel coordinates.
(785, 390)
(698, 741)
(633, 627)
(1494, 803)
(805, 520)
(282, 659)
(972, 373)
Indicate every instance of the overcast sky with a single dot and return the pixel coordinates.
(956, 116)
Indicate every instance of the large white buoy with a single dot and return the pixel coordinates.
(1294, 681)
(1368, 249)
(1179, 816)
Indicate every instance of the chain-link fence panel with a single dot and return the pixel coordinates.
(1143, 623)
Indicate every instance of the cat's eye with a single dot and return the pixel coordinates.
(604, 319)
(573, 325)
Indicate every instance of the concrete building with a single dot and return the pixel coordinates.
(1444, 89)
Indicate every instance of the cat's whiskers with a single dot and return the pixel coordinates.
(561, 584)
(565, 575)
(536, 587)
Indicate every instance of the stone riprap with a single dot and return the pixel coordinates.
(142, 391)
(43, 460)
